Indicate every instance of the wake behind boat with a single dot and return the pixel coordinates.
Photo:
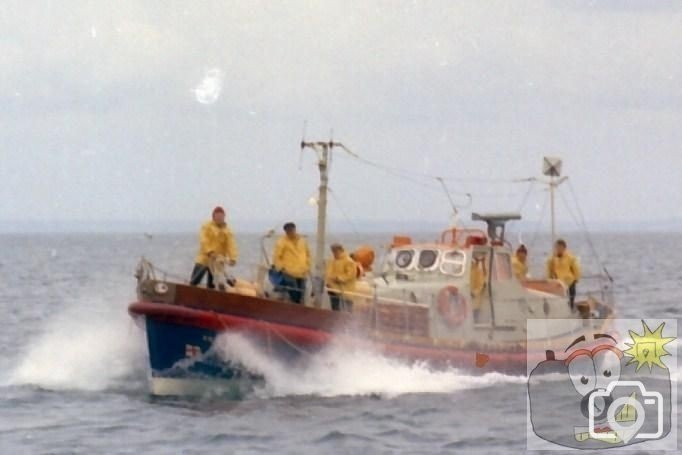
(452, 302)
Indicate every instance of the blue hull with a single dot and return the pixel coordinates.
(183, 362)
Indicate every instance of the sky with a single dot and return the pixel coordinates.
(153, 112)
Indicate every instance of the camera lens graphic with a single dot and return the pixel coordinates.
(601, 405)
(626, 432)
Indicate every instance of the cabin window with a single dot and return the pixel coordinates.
(427, 259)
(403, 258)
(502, 267)
(453, 263)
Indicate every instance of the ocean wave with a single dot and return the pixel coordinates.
(338, 371)
(91, 345)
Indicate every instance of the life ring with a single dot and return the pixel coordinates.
(452, 306)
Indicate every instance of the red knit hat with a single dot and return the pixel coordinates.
(218, 209)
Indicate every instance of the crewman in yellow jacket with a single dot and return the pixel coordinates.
(340, 278)
(215, 238)
(292, 260)
(563, 266)
(478, 278)
(520, 263)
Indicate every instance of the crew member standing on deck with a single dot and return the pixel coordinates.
(478, 280)
(563, 266)
(342, 273)
(215, 238)
(292, 259)
(520, 263)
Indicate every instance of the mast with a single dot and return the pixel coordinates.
(551, 203)
(551, 167)
(323, 150)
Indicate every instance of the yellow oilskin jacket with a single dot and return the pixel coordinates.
(520, 268)
(216, 239)
(477, 281)
(292, 256)
(564, 268)
(342, 274)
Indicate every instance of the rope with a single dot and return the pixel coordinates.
(270, 330)
(168, 274)
(300, 350)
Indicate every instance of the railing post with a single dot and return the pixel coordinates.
(375, 308)
(405, 315)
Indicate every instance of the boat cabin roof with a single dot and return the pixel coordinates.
(450, 254)
(445, 261)
(428, 257)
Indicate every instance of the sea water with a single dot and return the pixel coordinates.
(73, 368)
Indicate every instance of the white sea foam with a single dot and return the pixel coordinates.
(340, 371)
(92, 345)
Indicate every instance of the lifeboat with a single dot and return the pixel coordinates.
(450, 302)
(418, 307)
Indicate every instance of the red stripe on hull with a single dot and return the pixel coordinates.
(306, 338)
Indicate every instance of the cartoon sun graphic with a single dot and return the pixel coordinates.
(648, 348)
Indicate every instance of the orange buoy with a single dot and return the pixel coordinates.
(364, 256)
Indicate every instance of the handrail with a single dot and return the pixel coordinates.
(375, 297)
(456, 235)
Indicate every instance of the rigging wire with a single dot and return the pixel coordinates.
(343, 212)
(525, 197)
(403, 172)
(569, 209)
(455, 211)
(583, 225)
(580, 226)
(523, 204)
(536, 229)
(418, 179)
(410, 177)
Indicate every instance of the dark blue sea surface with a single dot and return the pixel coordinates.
(73, 372)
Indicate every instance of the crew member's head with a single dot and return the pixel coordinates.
(290, 230)
(560, 247)
(337, 250)
(522, 253)
(219, 215)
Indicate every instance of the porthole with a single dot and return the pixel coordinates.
(161, 288)
(404, 258)
(427, 259)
